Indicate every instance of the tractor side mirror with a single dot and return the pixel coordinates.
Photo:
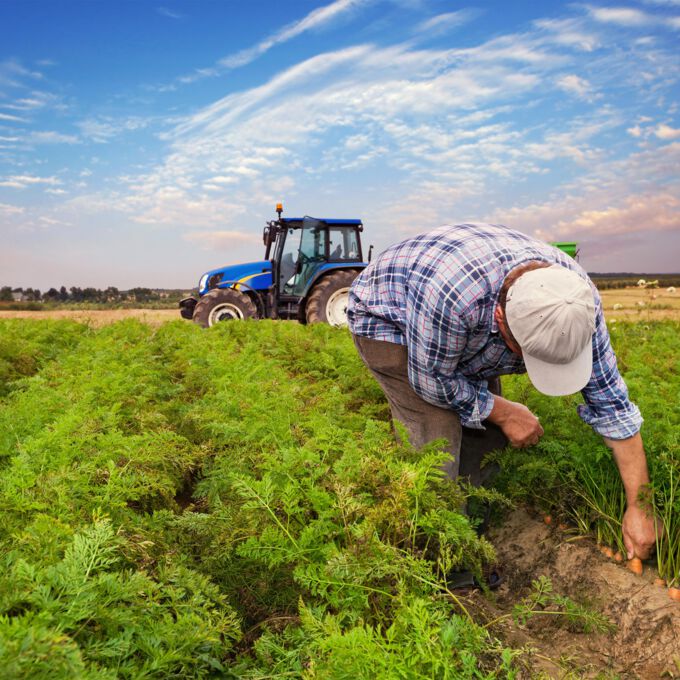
(265, 236)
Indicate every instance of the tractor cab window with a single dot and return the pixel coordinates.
(289, 258)
(343, 244)
(312, 252)
(304, 251)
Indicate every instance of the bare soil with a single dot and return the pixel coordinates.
(646, 642)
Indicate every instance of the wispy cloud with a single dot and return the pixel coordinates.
(317, 19)
(50, 137)
(23, 181)
(103, 130)
(11, 118)
(447, 21)
(34, 101)
(7, 209)
(14, 74)
(170, 13)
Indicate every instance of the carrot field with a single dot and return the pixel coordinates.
(231, 503)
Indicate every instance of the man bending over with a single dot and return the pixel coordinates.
(438, 317)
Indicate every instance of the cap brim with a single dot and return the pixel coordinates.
(557, 380)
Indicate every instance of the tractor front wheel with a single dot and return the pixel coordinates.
(328, 300)
(223, 304)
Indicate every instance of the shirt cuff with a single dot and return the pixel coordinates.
(617, 425)
(480, 410)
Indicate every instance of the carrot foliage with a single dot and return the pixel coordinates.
(224, 503)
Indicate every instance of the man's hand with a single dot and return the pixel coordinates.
(639, 535)
(639, 532)
(518, 423)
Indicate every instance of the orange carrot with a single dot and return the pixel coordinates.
(660, 582)
(547, 519)
(674, 594)
(563, 526)
(607, 552)
(635, 565)
(618, 556)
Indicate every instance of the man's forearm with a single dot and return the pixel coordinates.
(629, 455)
(638, 526)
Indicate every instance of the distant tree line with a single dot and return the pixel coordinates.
(75, 294)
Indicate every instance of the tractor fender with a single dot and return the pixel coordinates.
(322, 273)
(327, 269)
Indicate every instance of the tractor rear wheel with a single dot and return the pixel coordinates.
(223, 304)
(327, 303)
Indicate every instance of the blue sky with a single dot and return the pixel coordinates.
(142, 143)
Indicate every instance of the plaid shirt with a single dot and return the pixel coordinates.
(436, 293)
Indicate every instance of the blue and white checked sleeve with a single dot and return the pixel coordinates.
(436, 335)
(607, 408)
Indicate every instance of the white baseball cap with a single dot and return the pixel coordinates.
(551, 313)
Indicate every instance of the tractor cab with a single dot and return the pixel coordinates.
(305, 250)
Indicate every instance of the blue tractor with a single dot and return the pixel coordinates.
(308, 267)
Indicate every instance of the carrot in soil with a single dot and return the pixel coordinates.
(607, 551)
(618, 556)
(660, 582)
(635, 565)
(547, 519)
(674, 594)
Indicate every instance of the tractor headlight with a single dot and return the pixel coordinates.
(202, 283)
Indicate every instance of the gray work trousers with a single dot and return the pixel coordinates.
(425, 422)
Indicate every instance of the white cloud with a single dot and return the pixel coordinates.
(23, 181)
(576, 85)
(666, 132)
(622, 16)
(631, 18)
